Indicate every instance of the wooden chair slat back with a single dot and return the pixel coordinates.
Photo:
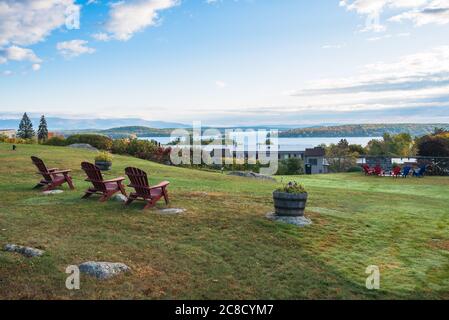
(94, 175)
(139, 180)
(42, 168)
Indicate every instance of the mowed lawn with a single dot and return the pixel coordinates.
(223, 247)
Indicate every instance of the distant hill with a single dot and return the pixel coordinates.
(139, 131)
(363, 130)
(58, 124)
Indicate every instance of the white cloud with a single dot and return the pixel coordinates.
(221, 84)
(389, 36)
(127, 18)
(15, 53)
(7, 73)
(101, 36)
(416, 80)
(74, 48)
(436, 12)
(27, 22)
(334, 46)
(420, 12)
(367, 7)
(36, 67)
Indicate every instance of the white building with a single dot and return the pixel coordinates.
(10, 133)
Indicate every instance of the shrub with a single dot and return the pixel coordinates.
(434, 146)
(355, 169)
(292, 187)
(104, 157)
(292, 166)
(95, 140)
(6, 139)
(143, 149)
(56, 141)
(120, 146)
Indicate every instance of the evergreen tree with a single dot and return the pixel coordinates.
(25, 128)
(42, 132)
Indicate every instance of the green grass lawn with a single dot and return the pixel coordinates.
(223, 247)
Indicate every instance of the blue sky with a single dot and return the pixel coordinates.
(228, 62)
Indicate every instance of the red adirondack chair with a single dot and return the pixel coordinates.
(396, 172)
(368, 170)
(139, 181)
(106, 188)
(378, 170)
(52, 177)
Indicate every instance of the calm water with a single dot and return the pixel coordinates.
(291, 144)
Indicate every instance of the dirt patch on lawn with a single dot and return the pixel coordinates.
(440, 244)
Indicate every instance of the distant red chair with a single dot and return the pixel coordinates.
(378, 171)
(52, 177)
(368, 171)
(139, 181)
(396, 172)
(106, 188)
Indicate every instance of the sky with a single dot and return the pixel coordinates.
(227, 62)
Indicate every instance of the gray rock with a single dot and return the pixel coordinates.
(52, 192)
(85, 146)
(249, 174)
(171, 211)
(297, 221)
(26, 251)
(103, 270)
(119, 197)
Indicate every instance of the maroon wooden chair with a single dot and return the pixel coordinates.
(378, 171)
(52, 177)
(368, 171)
(396, 172)
(106, 188)
(143, 190)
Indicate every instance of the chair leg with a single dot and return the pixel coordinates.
(149, 205)
(129, 201)
(165, 193)
(87, 195)
(70, 182)
(122, 189)
(106, 196)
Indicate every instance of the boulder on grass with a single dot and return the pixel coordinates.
(119, 197)
(299, 221)
(171, 211)
(85, 146)
(103, 270)
(52, 192)
(250, 174)
(26, 251)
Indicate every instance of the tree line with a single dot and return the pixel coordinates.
(27, 132)
(343, 156)
(363, 130)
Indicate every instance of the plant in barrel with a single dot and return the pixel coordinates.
(103, 161)
(290, 200)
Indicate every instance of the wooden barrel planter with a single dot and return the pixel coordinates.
(289, 204)
(103, 165)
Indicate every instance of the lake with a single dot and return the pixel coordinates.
(294, 144)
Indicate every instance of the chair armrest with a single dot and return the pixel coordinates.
(120, 179)
(160, 185)
(61, 171)
(52, 169)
